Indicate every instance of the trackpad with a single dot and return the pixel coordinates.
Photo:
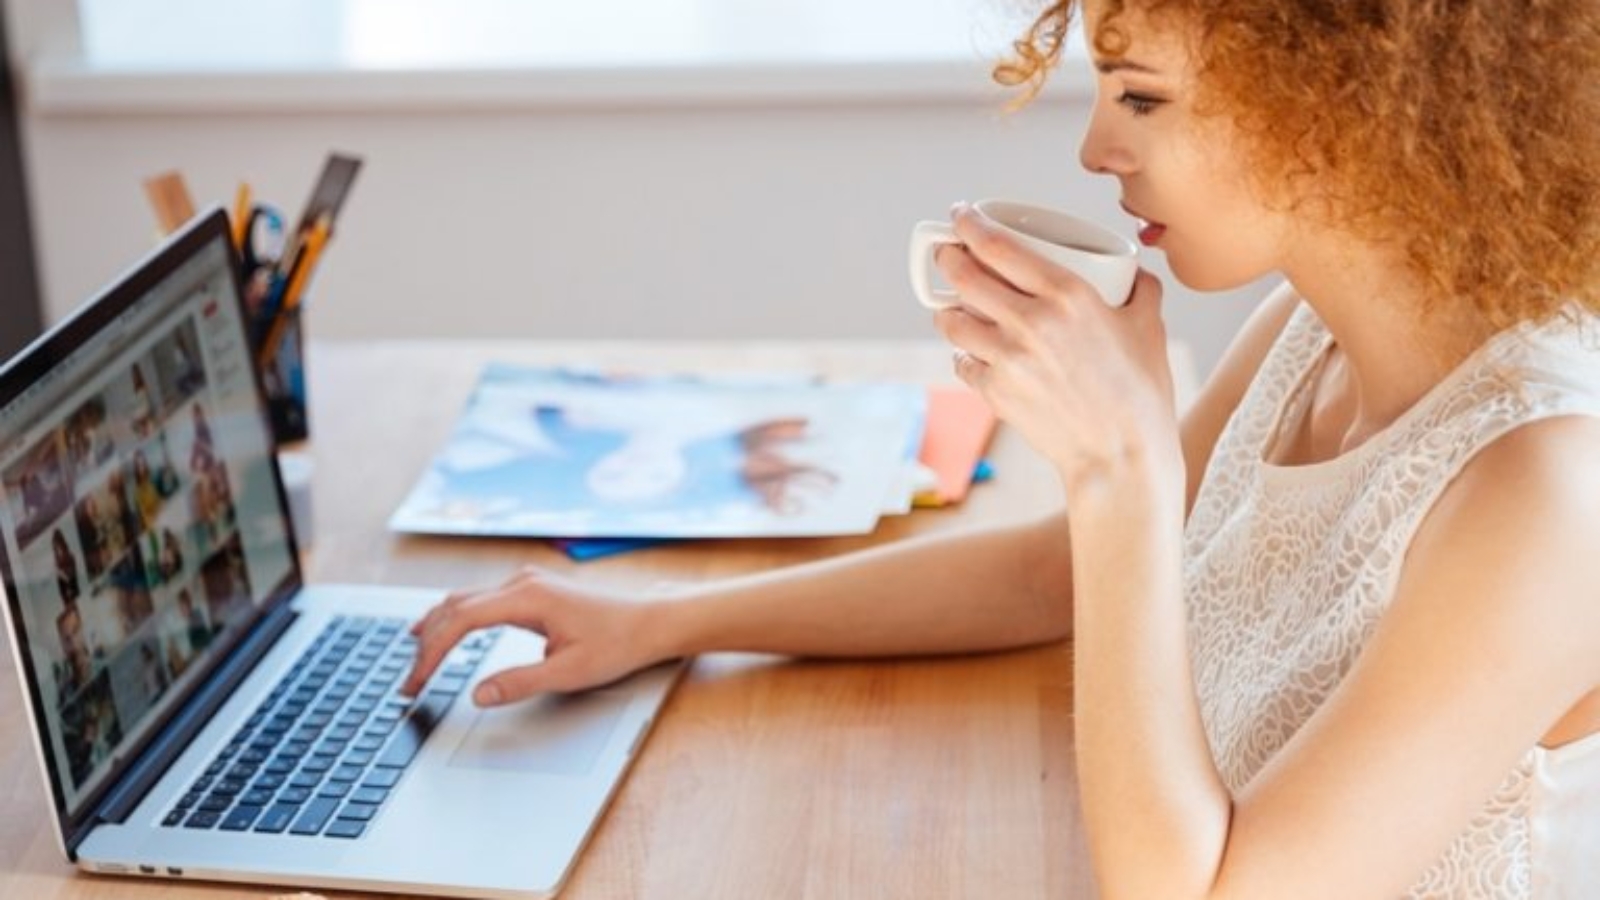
(552, 734)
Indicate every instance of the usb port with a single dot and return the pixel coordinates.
(174, 871)
(147, 870)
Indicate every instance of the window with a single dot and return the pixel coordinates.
(470, 34)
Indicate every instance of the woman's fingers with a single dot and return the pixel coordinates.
(969, 334)
(559, 673)
(458, 616)
(1002, 257)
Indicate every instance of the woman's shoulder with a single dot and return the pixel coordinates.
(1518, 519)
(1547, 460)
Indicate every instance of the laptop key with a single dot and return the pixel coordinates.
(382, 778)
(241, 818)
(202, 819)
(173, 818)
(216, 803)
(317, 764)
(370, 795)
(346, 828)
(413, 730)
(450, 684)
(255, 797)
(276, 819)
(314, 816)
(361, 812)
(345, 773)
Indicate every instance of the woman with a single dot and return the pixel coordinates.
(1336, 632)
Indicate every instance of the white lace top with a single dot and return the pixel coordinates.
(1289, 568)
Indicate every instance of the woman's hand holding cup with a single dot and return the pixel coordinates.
(1083, 377)
(1105, 260)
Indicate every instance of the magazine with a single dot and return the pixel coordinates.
(575, 454)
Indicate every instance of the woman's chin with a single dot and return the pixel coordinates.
(1207, 276)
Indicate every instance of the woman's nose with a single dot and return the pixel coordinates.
(1101, 152)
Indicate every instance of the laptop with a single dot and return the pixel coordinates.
(202, 713)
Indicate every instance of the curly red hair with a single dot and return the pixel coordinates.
(1466, 132)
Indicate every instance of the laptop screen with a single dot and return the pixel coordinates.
(142, 525)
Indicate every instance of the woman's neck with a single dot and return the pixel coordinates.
(1390, 354)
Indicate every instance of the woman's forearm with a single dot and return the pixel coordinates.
(1155, 809)
(973, 591)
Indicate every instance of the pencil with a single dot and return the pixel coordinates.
(305, 259)
(241, 214)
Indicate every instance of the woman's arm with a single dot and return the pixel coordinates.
(979, 590)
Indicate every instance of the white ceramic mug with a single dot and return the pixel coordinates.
(1106, 260)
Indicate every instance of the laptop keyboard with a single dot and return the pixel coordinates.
(327, 746)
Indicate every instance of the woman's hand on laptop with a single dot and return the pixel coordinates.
(591, 637)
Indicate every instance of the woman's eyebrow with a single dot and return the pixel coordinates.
(1119, 64)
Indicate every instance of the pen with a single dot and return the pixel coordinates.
(241, 215)
(305, 260)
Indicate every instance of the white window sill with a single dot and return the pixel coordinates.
(67, 87)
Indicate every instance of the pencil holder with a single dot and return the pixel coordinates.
(284, 380)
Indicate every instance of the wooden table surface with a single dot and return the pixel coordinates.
(764, 777)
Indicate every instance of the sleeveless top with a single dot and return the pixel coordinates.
(1287, 570)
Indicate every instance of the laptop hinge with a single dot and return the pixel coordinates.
(142, 775)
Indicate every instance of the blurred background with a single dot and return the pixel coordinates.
(641, 169)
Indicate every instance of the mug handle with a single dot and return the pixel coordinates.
(927, 237)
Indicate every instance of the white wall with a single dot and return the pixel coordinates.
(661, 220)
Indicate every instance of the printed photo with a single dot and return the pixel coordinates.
(90, 729)
(38, 489)
(558, 453)
(154, 479)
(139, 677)
(107, 523)
(165, 552)
(176, 362)
(72, 671)
(186, 631)
(69, 577)
(210, 496)
(143, 407)
(88, 439)
(129, 592)
(226, 585)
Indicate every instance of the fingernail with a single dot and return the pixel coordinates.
(487, 694)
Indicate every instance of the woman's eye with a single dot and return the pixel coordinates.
(1139, 104)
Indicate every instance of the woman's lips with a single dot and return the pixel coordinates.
(1150, 232)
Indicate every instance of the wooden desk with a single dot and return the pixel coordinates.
(764, 778)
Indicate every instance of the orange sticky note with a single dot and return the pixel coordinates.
(959, 428)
